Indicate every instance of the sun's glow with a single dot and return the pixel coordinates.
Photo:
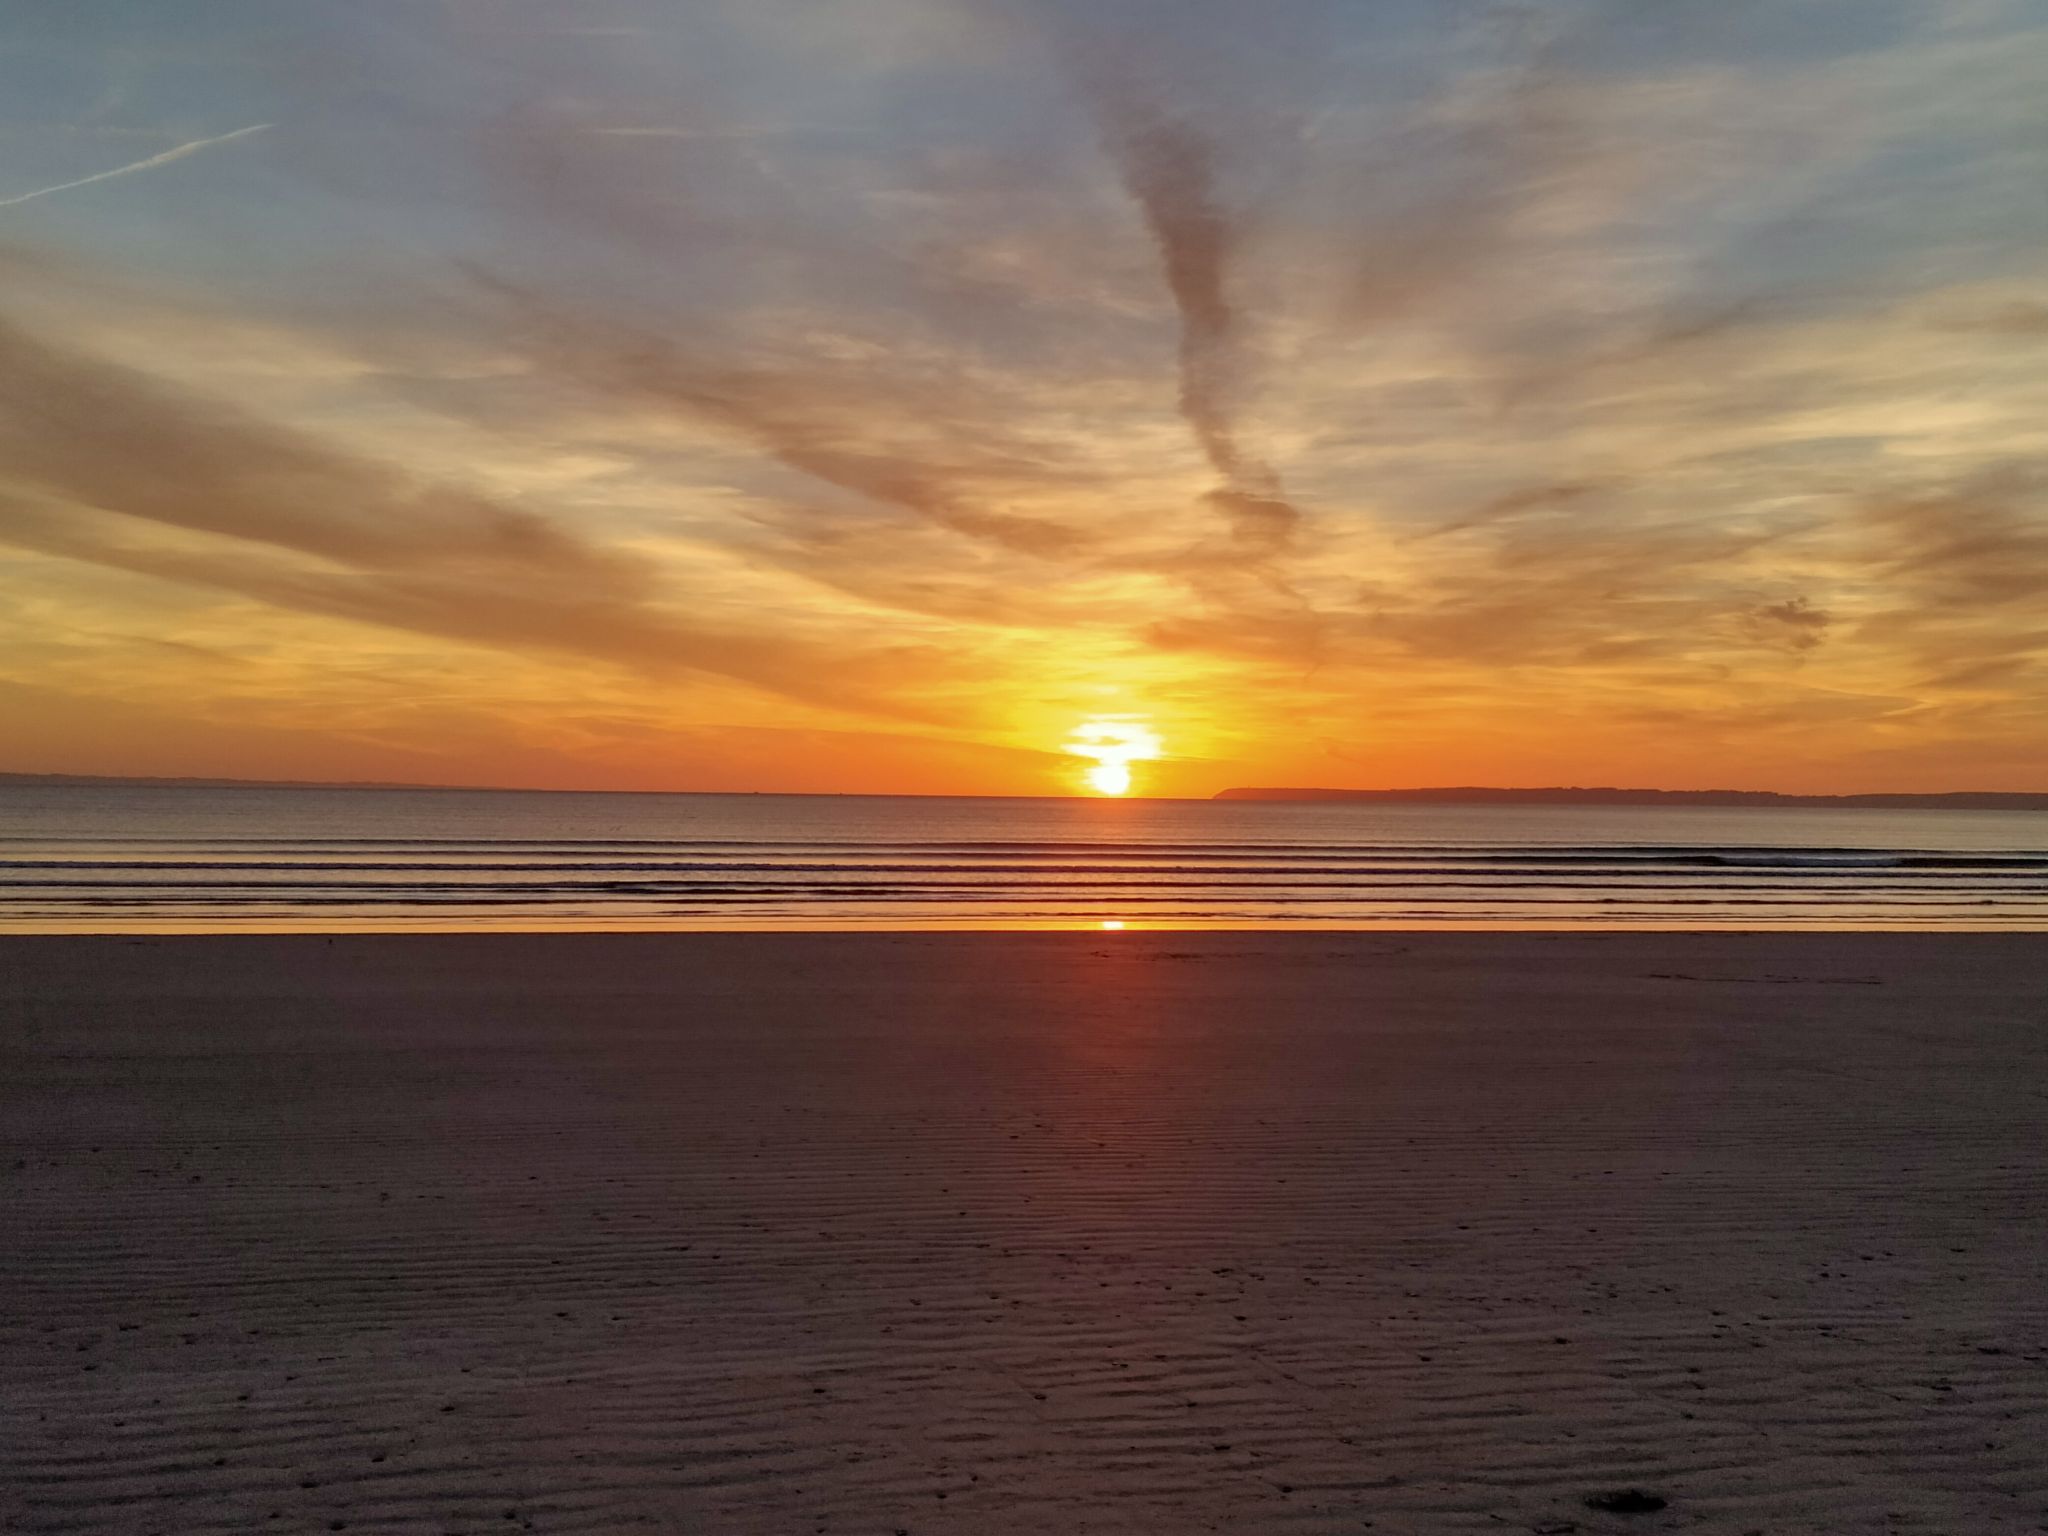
(1110, 778)
(1113, 743)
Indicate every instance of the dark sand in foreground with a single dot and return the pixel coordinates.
(1024, 1233)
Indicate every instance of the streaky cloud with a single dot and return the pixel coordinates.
(832, 430)
(97, 432)
(94, 453)
(1169, 168)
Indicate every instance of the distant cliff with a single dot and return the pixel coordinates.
(1965, 800)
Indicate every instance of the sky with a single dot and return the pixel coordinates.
(885, 395)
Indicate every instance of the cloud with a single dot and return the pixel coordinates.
(878, 436)
(1169, 167)
(1512, 505)
(1971, 550)
(95, 453)
(1577, 575)
(560, 619)
(108, 436)
(1794, 623)
(2013, 317)
(1007, 368)
(1170, 171)
(859, 371)
(1963, 572)
(178, 152)
(1168, 134)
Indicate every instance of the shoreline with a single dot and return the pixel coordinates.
(889, 928)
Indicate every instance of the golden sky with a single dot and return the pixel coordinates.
(868, 396)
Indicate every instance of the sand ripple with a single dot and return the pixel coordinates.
(1035, 1233)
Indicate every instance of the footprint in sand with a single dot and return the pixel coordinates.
(1625, 1501)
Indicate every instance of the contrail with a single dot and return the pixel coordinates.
(178, 153)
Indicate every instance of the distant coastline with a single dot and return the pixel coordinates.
(1959, 800)
(1954, 800)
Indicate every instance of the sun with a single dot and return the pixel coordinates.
(1109, 778)
(1113, 743)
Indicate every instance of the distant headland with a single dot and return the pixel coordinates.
(1961, 800)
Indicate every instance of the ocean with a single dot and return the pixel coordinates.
(137, 860)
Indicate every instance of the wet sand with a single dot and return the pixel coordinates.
(1024, 1233)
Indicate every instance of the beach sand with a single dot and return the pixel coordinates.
(1024, 1233)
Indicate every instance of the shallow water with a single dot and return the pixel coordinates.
(168, 859)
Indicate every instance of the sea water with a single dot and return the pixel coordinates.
(147, 859)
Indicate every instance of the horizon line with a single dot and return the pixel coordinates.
(1236, 794)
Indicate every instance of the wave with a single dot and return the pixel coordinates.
(995, 864)
(1847, 857)
(1167, 862)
